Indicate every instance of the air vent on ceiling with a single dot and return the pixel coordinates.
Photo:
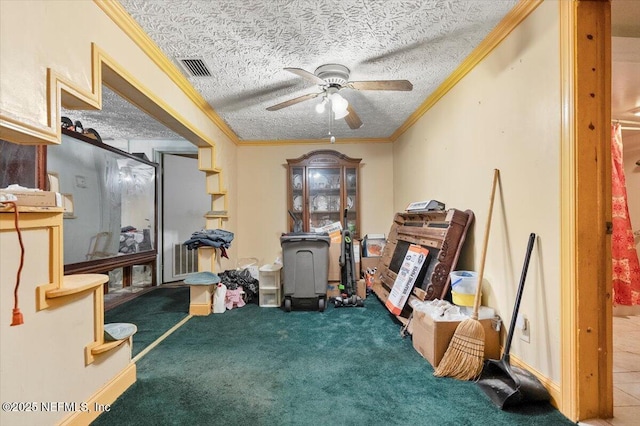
(194, 67)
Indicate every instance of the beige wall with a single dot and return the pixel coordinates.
(262, 193)
(504, 114)
(36, 36)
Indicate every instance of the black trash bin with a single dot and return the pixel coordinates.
(305, 261)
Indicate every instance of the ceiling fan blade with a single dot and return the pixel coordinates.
(402, 85)
(234, 102)
(306, 75)
(293, 101)
(352, 118)
(422, 46)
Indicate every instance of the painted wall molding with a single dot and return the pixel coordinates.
(63, 93)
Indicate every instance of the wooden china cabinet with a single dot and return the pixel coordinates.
(321, 185)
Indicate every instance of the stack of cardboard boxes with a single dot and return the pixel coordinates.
(372, 249)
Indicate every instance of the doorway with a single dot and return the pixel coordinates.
(626, 319)
(184, 203)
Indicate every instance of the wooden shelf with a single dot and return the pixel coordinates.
(74, 284)
(206, 157)
(107, 346)
(213, 170)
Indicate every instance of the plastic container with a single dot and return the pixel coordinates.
(218, 299)
(270, 287)
(463, 287)
(270, 298)
(269, 276)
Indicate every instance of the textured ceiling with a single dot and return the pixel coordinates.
(118, 119)
(247, 43)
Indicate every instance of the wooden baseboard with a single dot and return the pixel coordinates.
(103, 398)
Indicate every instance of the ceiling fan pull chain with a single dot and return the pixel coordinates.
(332, 138)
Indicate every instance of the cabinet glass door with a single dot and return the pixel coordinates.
(297, 196)
(351, 201)
(325, 201)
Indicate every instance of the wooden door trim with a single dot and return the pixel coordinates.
(587, 342)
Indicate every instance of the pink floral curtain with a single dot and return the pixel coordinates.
(626, 267)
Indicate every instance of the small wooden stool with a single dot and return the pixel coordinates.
(202, 285)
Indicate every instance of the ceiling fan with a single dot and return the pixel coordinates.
(331, 78)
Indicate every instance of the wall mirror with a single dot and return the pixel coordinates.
(112, 221)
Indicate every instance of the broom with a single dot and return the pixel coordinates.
(464, 357)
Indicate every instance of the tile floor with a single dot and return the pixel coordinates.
(626, 373)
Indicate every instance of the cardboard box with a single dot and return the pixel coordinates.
(333, 289)
(373, 245)
(356, 253)
(431, 338)
(334, 261)
(369, 262)
(361, 289)
(407, 276)
(334, 230)
(36, 198)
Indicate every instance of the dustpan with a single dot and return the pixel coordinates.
(508, 386)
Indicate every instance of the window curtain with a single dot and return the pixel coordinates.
(626, 267)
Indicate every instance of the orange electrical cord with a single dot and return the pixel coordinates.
(17, 318)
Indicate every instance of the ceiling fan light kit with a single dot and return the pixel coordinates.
(338, 114)
(322, 105)
(331, 78)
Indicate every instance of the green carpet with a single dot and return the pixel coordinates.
(153, 313)
(262, 366)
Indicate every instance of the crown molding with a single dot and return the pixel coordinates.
(339, 141)
(134, 31)
(495, 37)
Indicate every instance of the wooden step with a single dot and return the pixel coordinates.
(107, 346)
(74, 284)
